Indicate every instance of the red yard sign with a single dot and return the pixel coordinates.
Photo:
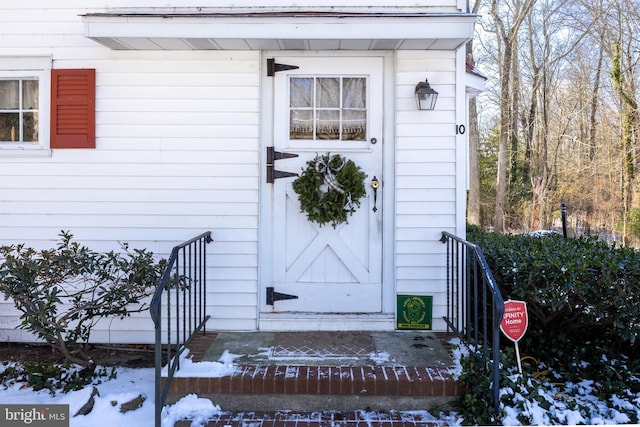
(515, 320)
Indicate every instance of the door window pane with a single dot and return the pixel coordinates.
(328, 108)
(354, 94)
(354, 125)
(301, 93)
(328, 124)
(328, 92)
(301, 126)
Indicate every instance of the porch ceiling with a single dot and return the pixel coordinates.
(278, 30)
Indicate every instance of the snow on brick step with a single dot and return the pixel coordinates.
(275, 387)
(325, 380)
(358, 418)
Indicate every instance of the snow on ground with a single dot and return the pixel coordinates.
(128, 384)
(542, 402)
(535, 403)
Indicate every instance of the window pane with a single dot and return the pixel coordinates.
(354, 93)
(301, 92)
(328, 108)
(328, 124)
(9, 127)
(328, 92)
(9, 95)
(354, 125)
(30, 94)
(301, 124)
(30, 127)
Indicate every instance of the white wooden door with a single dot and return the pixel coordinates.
(329, 270)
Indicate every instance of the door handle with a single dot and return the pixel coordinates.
(375, 184)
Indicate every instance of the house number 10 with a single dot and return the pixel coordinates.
(460, 129)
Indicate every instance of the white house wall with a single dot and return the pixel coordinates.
(178, 153)
(152, 181)
(425, 176)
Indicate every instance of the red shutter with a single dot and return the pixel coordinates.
(73, 112)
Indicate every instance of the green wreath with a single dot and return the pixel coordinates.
(330, 189)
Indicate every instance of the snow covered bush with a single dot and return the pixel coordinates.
(582, 297)
(542, 395)
(542, 398)
(63, 292)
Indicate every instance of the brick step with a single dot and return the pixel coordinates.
(266, 387)
(360, 418)
(275, 387)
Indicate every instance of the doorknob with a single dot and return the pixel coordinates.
(375, 184)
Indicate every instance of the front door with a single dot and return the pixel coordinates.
(326, 106)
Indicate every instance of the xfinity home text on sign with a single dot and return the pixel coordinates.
(34, 415)
(514, 323)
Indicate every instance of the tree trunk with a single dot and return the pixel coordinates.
(473, 201)
(628, 110)
(473, 198)
(508, 39)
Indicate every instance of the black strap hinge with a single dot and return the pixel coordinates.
(273, 296)
(272, 173)
(273, 68)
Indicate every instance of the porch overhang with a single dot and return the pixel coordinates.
(279, 30)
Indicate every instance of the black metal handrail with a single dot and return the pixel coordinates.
(474, 304)
(184, 285)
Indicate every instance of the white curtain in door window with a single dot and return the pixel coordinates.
(328, 108)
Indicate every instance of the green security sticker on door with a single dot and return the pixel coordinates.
(414, 312)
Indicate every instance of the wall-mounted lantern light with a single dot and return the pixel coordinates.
(426, 97)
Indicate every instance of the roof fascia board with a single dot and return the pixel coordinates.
(281, 27)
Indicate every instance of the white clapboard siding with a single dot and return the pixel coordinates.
(152, 181)
(426, 183)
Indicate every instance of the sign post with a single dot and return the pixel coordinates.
(514, 323)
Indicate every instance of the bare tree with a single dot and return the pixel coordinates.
(508, 17)
(619, 23)
(473, 200)
(549, 47)
(565, 132)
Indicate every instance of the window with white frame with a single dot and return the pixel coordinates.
(24, 103)
(328, 108)
(19, 104)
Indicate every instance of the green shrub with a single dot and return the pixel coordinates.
(54, 377)
(476, 404)
(582, 296)
(63, 292)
